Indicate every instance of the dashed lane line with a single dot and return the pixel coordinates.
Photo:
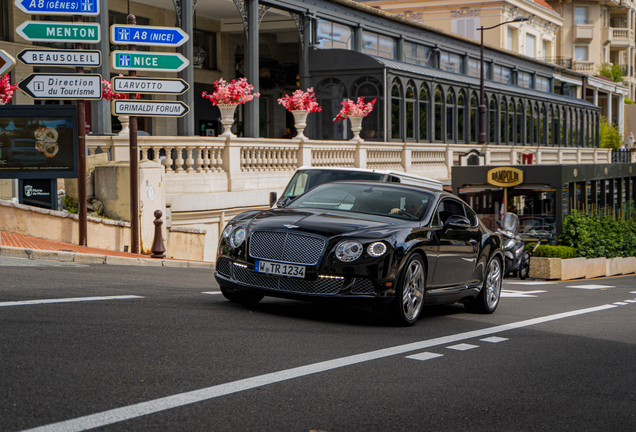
(137, 410)
(424, 356)
(462, 347)
(621, 303)
(67, 300)
(494, 339)
(212, 292)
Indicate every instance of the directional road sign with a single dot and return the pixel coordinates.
(149, 85)
(50, 31)
(59, 7)
(62, 86)
(142, 108)
(145, 60)
(6, 62)
(147, 35)
(76, 58)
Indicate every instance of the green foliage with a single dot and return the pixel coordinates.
(563, 252)
(628, 101)
(529, 246)
(69, 205)
(611, 136)
(613, 72)
(599, 234)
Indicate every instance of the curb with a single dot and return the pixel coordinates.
(84, 258)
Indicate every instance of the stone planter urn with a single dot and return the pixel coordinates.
(300, 122)
(356, 127)
(227, 119)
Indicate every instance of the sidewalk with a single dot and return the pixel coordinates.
(21, 246)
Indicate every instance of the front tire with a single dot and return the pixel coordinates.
(487, 300)
(524, 266)
(410, 292)
(241, 297)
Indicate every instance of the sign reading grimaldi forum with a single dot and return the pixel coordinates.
(149, 108)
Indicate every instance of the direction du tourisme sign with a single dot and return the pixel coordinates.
(59, 7)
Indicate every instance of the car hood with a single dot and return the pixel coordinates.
(326, 223)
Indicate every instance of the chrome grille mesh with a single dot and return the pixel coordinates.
(362, 286)
(286, 247)
(223, 267)
(319, 286)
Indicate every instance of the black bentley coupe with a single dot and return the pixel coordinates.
(373, 243)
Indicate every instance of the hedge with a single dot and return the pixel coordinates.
(595, 235)
(563, 252)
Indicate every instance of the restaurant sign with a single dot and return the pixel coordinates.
(505, 176)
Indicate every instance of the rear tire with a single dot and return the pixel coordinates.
(241, 297)
(487, 300)
(409, 297)
(524, 266)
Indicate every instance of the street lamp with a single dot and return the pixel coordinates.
(482, 92)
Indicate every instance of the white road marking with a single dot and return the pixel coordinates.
(528, 283)
(67, 300)
(621, 303)
(116, 415)
(519, 294)
(462, 347)
(424, 356)
(630, 301)
(632, 292)
(494, 339)
(590, 287)
(212, 292)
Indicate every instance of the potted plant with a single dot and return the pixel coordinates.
(300, 104)
(6, 89)
(355, 112)
(227, 96)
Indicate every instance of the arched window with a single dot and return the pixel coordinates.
(424, 104)
(564, 128)
(410, 111)
(450, 115)
(503, 108)
(571, 132)
(511, 122)
(519, 121)
(330, 92)
(370, 88)
(587, 128)
(577, 127)
(396, 102)
(542, 125)
(535, 124)
(473, 118)
(528, 140)
(557, 126)
(550, 126)
(461, 117)
(492, 121)
(439, 105)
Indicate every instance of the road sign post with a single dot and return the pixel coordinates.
(82, 212)
(134, 162)
(75, 58)
(48, 31)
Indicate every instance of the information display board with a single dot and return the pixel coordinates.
(38, 141)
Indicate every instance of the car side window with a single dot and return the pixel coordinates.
(472, 217)
(447, 208)
(393, 179)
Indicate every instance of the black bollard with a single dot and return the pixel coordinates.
(158, 248)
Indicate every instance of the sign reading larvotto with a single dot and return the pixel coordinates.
(505, 176)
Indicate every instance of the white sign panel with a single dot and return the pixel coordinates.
(149, 85)
(62, 86)
(74, 58)
(141, 108)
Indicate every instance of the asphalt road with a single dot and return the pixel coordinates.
(119, 348)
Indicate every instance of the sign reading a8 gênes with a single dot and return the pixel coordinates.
(59, 7)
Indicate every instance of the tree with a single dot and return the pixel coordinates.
(613, 72)
(610, 135)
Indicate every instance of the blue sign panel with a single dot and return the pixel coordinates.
(147, 35)
(59, 7)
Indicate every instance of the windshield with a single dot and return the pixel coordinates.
(305, 180)
(362, 198)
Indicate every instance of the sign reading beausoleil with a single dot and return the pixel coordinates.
(147, 35)
(76, 58)
(49, 31)
(59, 7)
(149, 85)
(145, 60)
(124, 107)
(62, 86)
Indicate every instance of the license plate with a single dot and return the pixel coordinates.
(280, 269)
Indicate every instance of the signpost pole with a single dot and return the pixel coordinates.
(81, 153)
(134, 162)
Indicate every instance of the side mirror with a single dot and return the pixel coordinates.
(498, 223)
(284, 202)
(456, 221)
(273, 197)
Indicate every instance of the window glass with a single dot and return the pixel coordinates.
(396, 98)
(305, 180)
(580, 15)
(451, 62)
(448, 208)
(418, 54)
(333, 35)
(524, 79)
(3, 20)
(204, 47)
(381, 46)
(580, 53)
(542, 84)
(502, 74)
(410, 112)
(509, 39)
(530, 45)
(423, 113)
(472, 217)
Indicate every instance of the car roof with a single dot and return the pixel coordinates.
(378, 171)
(394, 185)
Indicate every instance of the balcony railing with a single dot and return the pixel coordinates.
(565, 62)
(583, 22)
(621, 156)
(585, 66)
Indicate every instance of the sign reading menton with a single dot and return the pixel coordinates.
(505, 176)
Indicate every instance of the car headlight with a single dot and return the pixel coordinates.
(348, 250)
(238, 237)
(376, 249)
(227, 230)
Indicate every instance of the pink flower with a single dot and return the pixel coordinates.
(6, 89)
(359, 108)
(301, 101)
(109, 94)
(233, 93)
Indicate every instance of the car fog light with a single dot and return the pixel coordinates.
(376, 249)
(237, 237)
(348, 250)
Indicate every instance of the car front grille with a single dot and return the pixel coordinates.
(286, 247)
(319, 286)
(362, 286)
